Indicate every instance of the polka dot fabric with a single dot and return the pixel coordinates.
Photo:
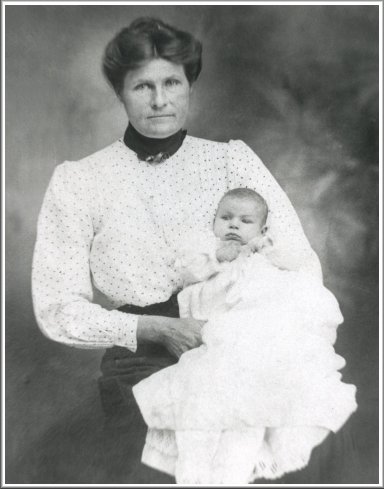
(114, 223)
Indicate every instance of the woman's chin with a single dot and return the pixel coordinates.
(160, 130)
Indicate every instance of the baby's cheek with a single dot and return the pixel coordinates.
(218, 231)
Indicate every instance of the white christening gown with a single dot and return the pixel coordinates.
(264, 388)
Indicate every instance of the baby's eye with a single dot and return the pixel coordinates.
(247, 221)
(225, 218)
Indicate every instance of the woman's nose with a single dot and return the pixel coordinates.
(159, 98)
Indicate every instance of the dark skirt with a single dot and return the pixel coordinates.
(124, 428)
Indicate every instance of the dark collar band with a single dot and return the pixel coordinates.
(153, 150)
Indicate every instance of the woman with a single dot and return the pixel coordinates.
(112, 221)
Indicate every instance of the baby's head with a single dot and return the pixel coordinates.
(241, 216)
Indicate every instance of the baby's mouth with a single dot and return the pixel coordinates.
(234, 237)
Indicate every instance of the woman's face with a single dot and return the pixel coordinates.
(156, 98)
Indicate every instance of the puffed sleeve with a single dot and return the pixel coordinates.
(291, 247)
(61, 279)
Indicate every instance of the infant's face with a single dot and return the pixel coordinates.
(238, 220)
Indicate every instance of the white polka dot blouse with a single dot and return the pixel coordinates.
(111, 223)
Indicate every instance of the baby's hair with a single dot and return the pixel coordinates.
(248, 193)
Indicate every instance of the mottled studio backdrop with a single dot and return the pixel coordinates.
(299, 84)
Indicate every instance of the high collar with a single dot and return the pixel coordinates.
(153, 150)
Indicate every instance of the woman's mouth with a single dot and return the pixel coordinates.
(163, 116)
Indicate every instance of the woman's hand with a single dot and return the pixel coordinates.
(178, 335)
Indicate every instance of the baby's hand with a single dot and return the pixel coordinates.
(229, 251)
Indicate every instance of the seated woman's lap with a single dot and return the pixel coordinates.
(124, 427)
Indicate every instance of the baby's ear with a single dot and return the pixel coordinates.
(264, 229)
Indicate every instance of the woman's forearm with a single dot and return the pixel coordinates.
(81, 324)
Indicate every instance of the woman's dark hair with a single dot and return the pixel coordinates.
(145, 39)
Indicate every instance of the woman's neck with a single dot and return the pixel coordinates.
(153, 149)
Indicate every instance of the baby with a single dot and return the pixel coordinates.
(264, 388)
(239, 231)
(240, 219)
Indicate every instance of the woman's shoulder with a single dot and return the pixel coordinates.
(233, 148)
(84, 174)
(96, 160)
(210, 143)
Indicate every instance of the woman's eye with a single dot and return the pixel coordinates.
(141, 86)
(172, 82)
